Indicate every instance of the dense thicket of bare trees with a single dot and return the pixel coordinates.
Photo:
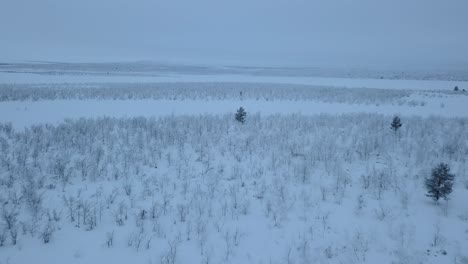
(189, 180)
(202, 91)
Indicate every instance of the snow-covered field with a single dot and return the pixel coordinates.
(103, 170)
(26, 104)
(25, 113)
(23, 78)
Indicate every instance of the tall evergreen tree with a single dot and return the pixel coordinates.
(240, 115)
(396, 124)
(439, 185)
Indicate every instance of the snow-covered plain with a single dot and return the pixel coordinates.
(320, 179)
(25, 113)
(22, 78)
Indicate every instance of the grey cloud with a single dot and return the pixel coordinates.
(346, 33)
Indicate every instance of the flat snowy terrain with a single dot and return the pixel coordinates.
(23, 114)
(155, 169)
(21, 78)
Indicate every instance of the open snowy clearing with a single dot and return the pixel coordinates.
(25, 113)
(22, 78)
(27, 104)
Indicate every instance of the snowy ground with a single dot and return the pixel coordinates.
(317, 180)
(25, 113)
(21, 78)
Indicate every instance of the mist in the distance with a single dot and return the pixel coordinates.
(344, 34)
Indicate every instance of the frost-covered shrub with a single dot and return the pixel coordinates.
(46, 234)
(288, 173)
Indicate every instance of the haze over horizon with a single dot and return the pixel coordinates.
(346, 34)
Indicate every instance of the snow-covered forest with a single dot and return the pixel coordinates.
(207, 189)
(233, 132)
(208, 91)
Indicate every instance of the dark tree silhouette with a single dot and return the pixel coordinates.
(396, 124)
(240, 115)
(439, 185)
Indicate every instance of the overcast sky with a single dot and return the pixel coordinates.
(336, 33)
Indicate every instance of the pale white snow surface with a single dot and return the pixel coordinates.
(21, 78)
(25, 113)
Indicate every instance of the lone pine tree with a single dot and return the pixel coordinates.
(439, 185)
(240, 115)
(396, 124)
